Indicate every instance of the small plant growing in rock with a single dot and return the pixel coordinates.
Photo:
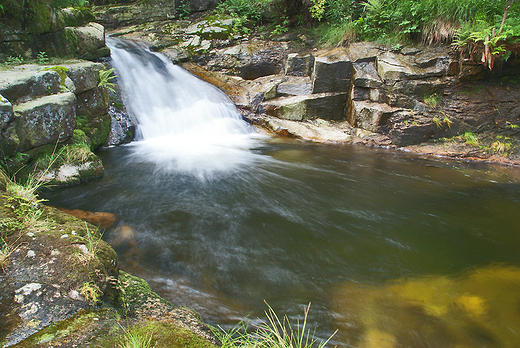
(105, 76)
(13, 60)
(432, 101)
(134, 339)
(470, 139)
(88, 245)
(437, 122)
(90, 292)
(447, 121)
(500, 147)
(42, 58)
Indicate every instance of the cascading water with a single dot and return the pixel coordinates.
(184, 124)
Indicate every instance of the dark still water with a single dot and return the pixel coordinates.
(393, 249)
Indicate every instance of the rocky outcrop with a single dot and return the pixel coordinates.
(150, 11)
(407, 97)
(45, 120)
(45, 105)
(134, 14)
(66, 33)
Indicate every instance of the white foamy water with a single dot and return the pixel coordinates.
(184, 124)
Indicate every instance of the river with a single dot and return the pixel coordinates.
(391, 248)
(297, 226)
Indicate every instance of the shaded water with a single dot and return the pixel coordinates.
(331, 225)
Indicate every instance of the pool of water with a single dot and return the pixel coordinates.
(358, 232)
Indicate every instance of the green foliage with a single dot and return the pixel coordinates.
(183, 8)
(135, 339)
(474, 36)
(281, 28)
(409, 19)
(317, 9)
(104, 79)
(432, 101)
(42, 58)
(274, 333)
(248, 10)
(13, 61)
(470, 138)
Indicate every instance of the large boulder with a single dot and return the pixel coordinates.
(19, 85)
(331, 75)
(9, 140)
(84, 75)
(45, 120)
(249, 61)
(394, 67)
(298, 65)
(316, 130)
(136, 13)
(86, 42)
(294, 86)
(369, 115)
(365, 75)
(92, 103)
(329, 106)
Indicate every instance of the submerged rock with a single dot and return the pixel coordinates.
(474, 309)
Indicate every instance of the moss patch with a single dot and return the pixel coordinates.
(165, 334)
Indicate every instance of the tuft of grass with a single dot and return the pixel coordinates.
(77, 153)
(134, 339)
(432, 101)
(470, 139)
(437, 122)
(273, 333)
(447, 121)
(332, 34)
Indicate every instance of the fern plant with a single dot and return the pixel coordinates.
(105, 77)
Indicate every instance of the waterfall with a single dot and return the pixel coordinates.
(184, 124)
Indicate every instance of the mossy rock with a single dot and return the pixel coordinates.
(136, 297)
(96, 129)
(168, 335)
(77, 255)
(97, 328)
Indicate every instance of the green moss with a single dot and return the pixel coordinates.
(62, 71)
(79, 137)
(165, 334)
(76, 329)
(135, 293)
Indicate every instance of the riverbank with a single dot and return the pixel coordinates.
(60, 285)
